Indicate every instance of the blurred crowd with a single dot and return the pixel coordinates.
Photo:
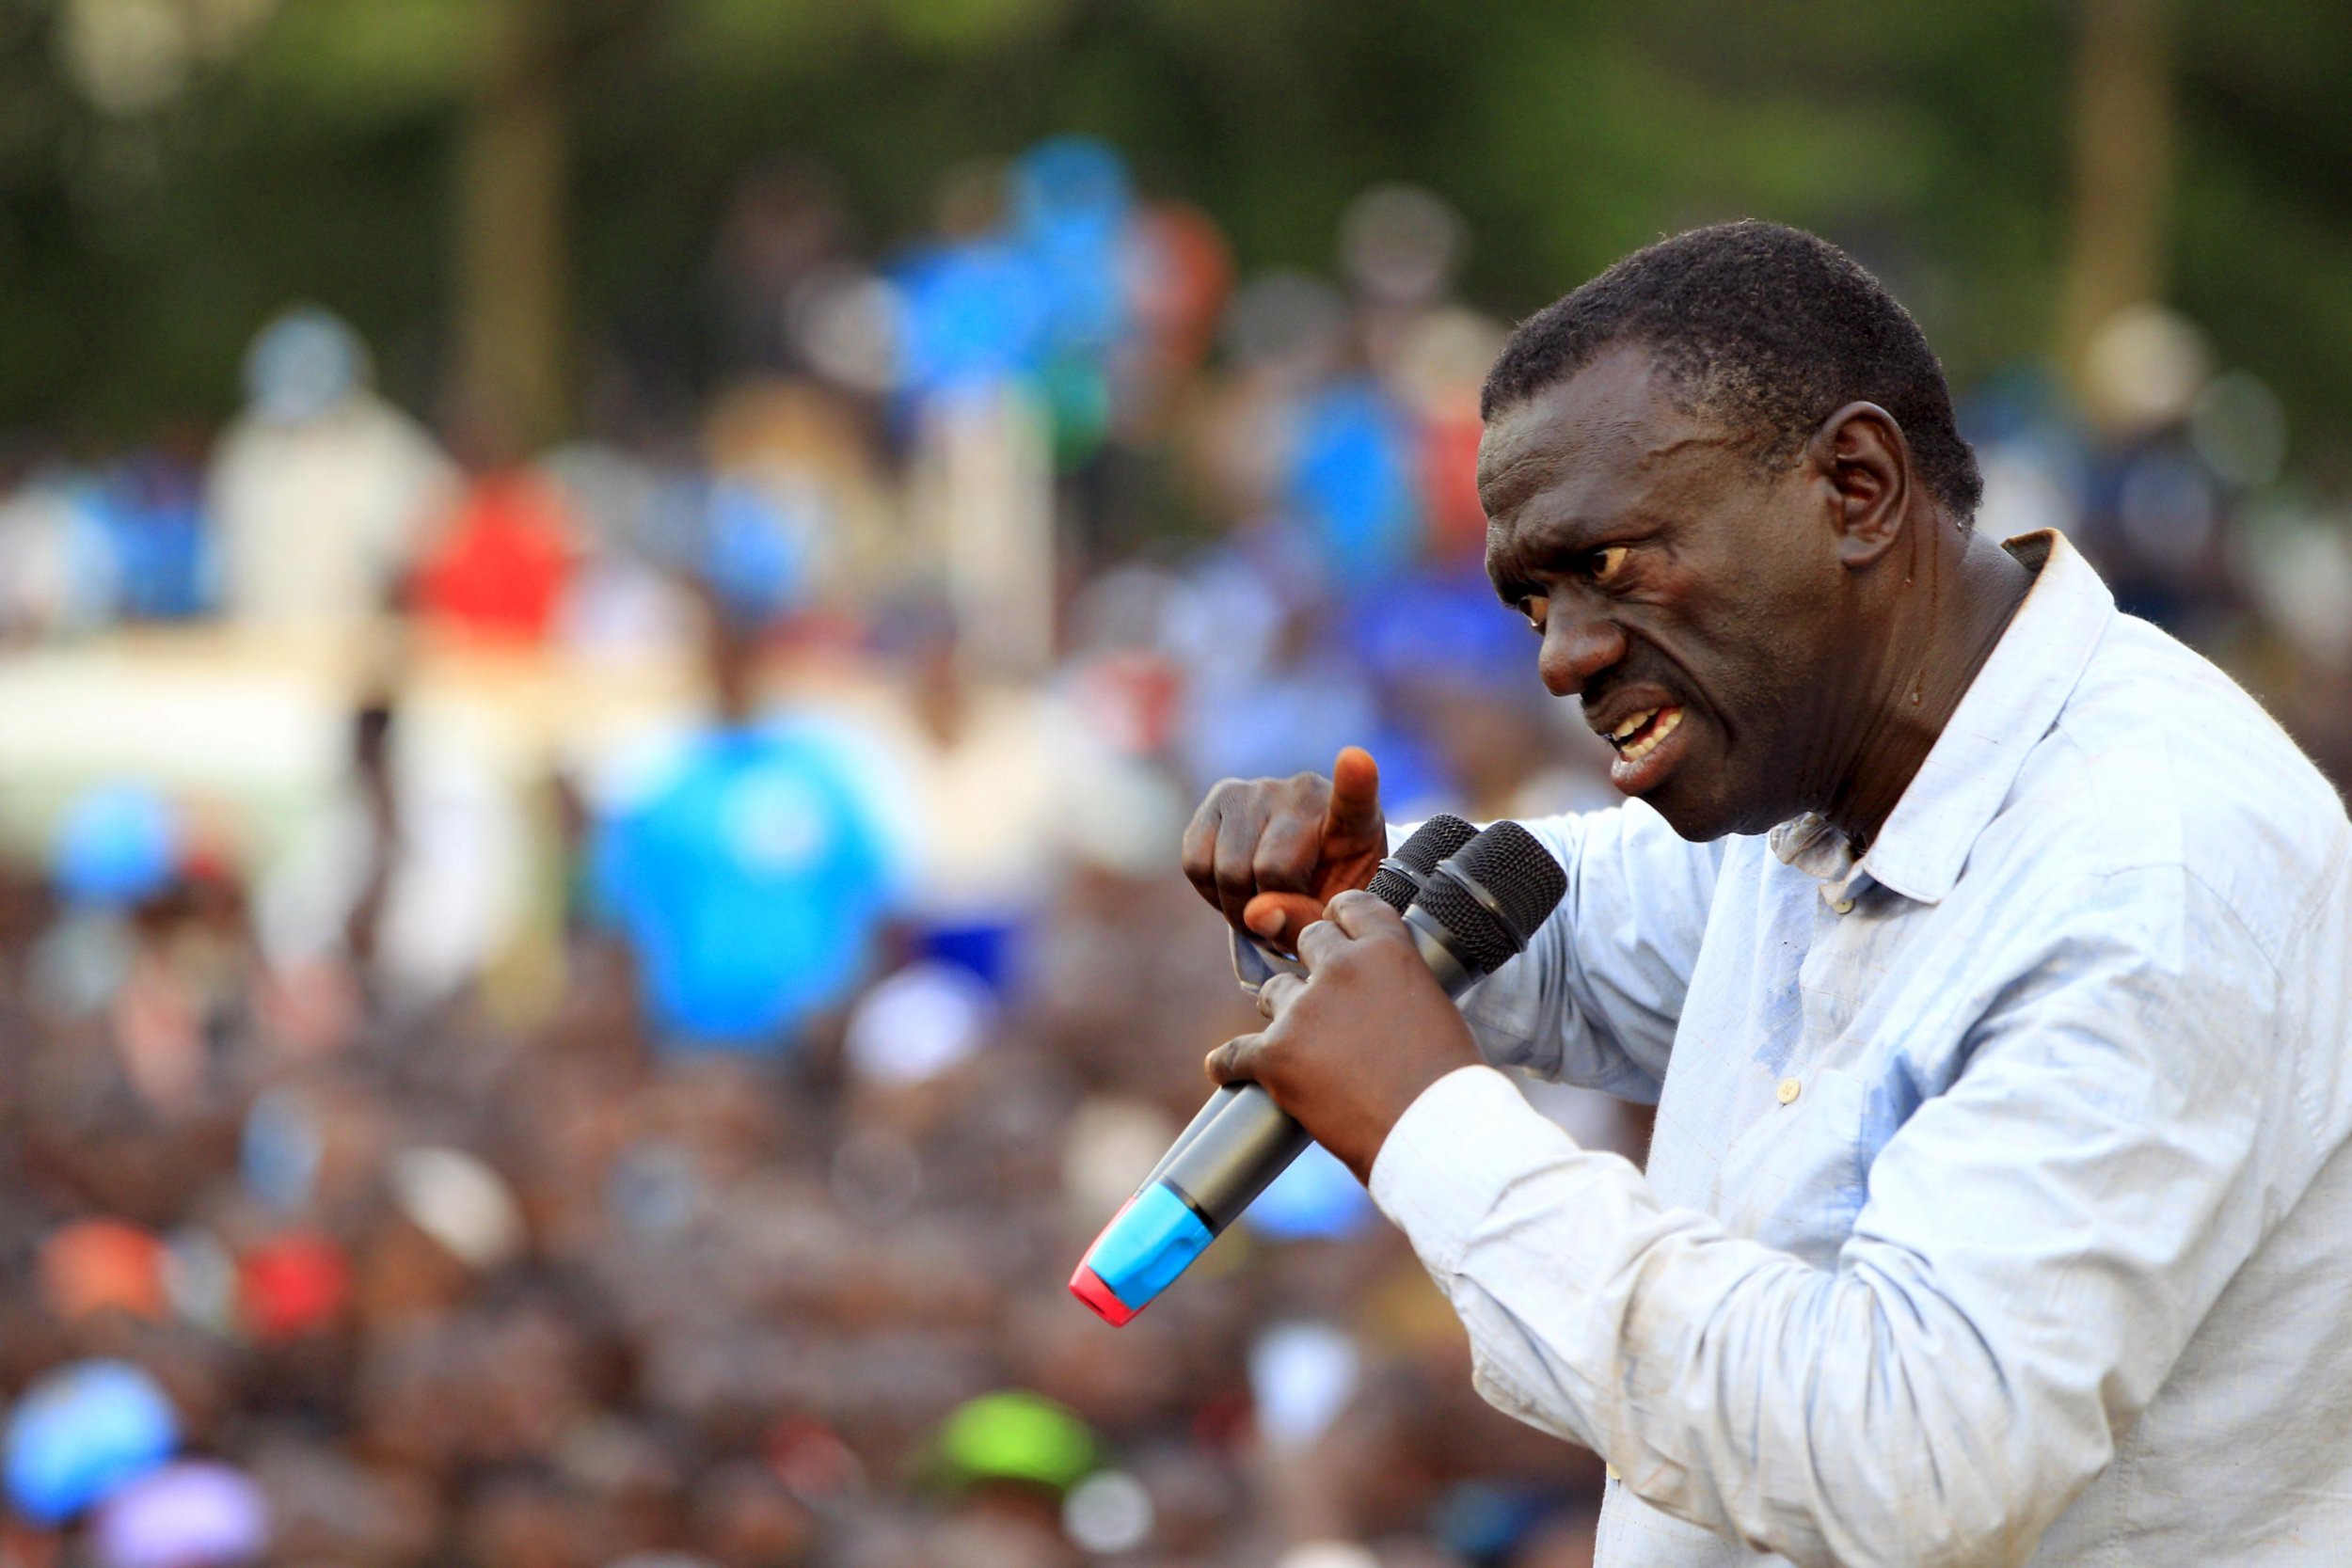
(665, 1142)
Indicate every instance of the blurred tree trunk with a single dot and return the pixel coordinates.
(2123, 136)
(512, 307)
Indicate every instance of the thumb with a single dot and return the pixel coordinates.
(1279, 918)
(1352, 819)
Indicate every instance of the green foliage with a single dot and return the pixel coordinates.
(329, 63)
(134, 257)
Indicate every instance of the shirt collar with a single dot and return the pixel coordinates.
(2004, 714)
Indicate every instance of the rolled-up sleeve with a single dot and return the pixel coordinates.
(2036, 1246)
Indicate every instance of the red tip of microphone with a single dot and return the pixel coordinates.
(1088, 1287)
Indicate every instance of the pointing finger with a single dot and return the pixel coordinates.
(1352, 819)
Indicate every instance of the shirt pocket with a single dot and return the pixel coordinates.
(1797, 1176)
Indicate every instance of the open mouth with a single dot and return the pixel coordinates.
(1641, 733)
(1648, 744)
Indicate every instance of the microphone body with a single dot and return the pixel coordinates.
(1242, 1140)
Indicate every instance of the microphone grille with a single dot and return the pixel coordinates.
(1515, 871)
(1430, 843)
(1392, 888)
(1434, 840)
(1513, 865)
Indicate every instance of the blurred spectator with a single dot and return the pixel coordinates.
(784, 230)
(58, 570)
(1353, 482)
(83, 1433)
(751, 873)
(323, 493)
(500, 568)
(151, 507)
(409, 873)
(800, 516)
(185, 1515)
(991, 770)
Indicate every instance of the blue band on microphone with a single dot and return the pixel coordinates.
(1153, 1241)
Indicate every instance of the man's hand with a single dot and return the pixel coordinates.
(1353, 1045)
(1270, 853)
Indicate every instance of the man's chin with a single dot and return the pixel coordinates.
(1682, 778)
(1699, 804)
(1700, 825)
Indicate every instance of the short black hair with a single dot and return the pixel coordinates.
(1768, 327)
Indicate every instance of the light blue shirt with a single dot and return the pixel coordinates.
(754, 877)
(1999, 1208)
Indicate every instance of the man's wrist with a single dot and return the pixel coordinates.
(1363, 1152)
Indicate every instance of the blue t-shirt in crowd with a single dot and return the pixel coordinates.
(753, 878)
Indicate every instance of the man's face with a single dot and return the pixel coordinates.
(1693, 599)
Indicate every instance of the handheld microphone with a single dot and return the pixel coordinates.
(1396, 882)
(1472, 911)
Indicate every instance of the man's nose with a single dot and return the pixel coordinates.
(1575, 648)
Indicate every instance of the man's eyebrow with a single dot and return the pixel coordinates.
(1553, 538)
(1516, 478)
(1560, 535)
(1510, 585)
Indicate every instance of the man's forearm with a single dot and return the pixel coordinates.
(1854, 1416)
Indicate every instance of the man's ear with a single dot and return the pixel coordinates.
(1864, 466)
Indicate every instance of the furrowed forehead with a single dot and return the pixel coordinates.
(1516, 456)
(1622, 414)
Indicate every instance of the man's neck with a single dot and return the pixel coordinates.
(1960, 591)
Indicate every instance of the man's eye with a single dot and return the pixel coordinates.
(1534, 609)
(1604, 563)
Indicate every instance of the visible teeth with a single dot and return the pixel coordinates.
(1635, 723)
(1649, 743)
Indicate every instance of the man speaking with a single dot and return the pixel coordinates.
(1983, 950)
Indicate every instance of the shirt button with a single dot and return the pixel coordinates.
(1790, 1089)
(1843, 905)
